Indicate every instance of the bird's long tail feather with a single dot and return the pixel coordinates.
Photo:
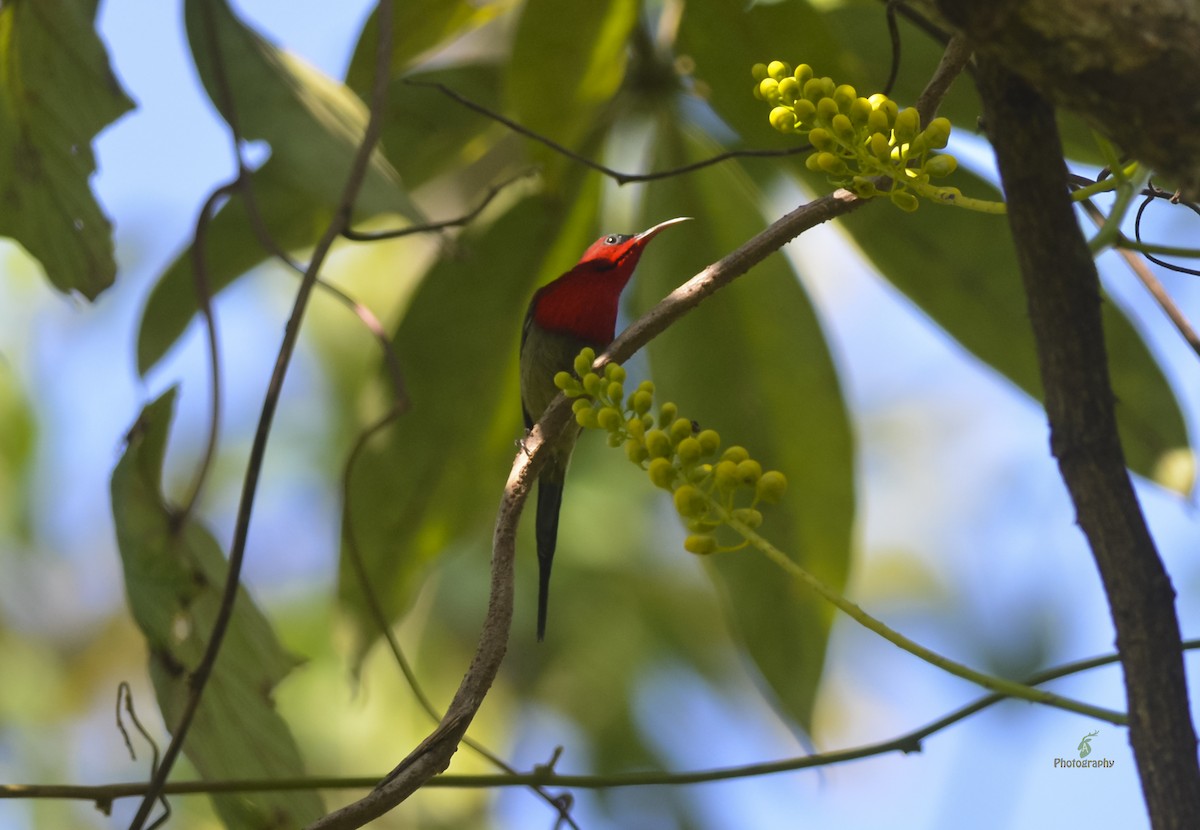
(550, 495)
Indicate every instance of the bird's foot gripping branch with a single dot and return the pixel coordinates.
(863, 143)
(710, 488)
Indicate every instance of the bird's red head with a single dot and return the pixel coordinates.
(583, 301)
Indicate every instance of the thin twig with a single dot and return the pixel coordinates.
(339, 221)
(104, 794)
(432, 227)
(1151, 282)
(615, 175)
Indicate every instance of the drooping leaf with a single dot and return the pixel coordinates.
(56, 93)
(753, 364)
(436, 479)
(568, 59)
(314, 126)
(313, 123)
(174, 578)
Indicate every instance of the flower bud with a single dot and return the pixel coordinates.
(680, 428)
(778, 70)
(904, 200)
(690, 502)
(749, 471)
(771, 487)
(688, 450)
(710, 441)
(821, 139)
(748, 516)
(941, 165)
(783, 119)
(908, 123)
(662, 473)
(614, 372)
(759, 71)
(667, 413)
(735, 454)
(700, 544)
(584, 360)
(635, 450)
(658, 444)
(609, 419)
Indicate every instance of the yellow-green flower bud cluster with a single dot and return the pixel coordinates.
(706, 484)
(855, 140)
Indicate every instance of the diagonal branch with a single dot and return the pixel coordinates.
(433, 755)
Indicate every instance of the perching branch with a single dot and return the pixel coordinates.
(1063, 291)
(433, 755)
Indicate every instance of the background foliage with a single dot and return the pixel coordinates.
(885, 366)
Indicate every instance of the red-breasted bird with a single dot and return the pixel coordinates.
(576, 310)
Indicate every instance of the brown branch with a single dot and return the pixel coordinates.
(341, 218)
(1063, 292)
(434, 753)
(104, 794)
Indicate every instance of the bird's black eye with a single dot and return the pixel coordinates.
(610, 240)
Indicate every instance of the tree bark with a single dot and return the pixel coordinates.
(1131, 69)
(1063, 293)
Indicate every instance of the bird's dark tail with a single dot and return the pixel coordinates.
(550, 495)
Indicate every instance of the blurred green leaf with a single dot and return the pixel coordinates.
(173, 580)
(56, 93)
(314, 126)
(753, 364)
(417, 27)
(18, 433)
(568, 60)
(436, 478)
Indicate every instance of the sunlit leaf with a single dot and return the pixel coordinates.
(753, 364)
(56, 93)
(173, 580)
(417, 27)
(568, 59)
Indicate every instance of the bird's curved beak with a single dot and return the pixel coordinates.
(650, 233)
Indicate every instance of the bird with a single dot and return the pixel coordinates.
(577, 309)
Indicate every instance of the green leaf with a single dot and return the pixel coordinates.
(417, 27)
(18, 438)
(568, 60)
(173, 580)
(292, 218)
(314, 126)
(752, 363)
(436, 479)
(313, 123)
(56, 93)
